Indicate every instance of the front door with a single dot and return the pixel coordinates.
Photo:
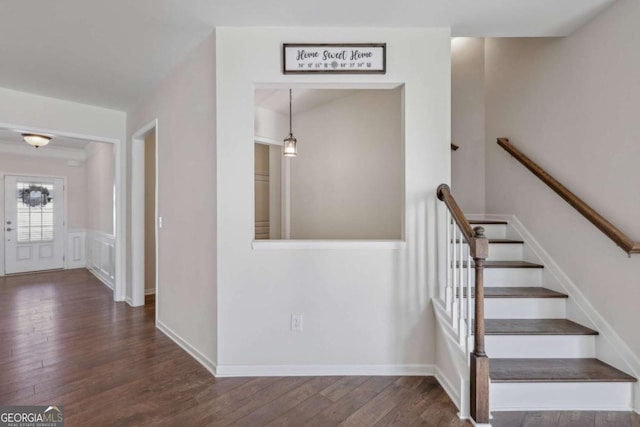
(34, 223)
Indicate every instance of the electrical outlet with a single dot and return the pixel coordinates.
(296, 322)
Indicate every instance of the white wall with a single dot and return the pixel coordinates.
(270, 124)
(100, 179)
(572, 106)
(347, 180)
(367, 309)
(467, 123)
(17, 164)
(184, 104)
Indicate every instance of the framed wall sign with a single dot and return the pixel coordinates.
(348, 58)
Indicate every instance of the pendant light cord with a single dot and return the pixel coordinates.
(290, 132)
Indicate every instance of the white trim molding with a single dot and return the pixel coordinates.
(193, 352)
(101, 256)
(279, 245)
(323, 370)
(75, 253)
(138, 214)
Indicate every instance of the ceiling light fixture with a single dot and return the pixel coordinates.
(289, 148)
(35, 139)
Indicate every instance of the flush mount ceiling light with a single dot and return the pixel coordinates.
(289, 147)
(35, 139)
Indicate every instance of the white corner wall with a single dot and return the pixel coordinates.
(467, 123)
(572, 106)
(347, 180)
(184, 103)
(365, 310)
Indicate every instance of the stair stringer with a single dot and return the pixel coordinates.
(452, 369)
(610, 347)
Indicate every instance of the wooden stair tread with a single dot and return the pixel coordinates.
(501, 241)
(518, 292)
(535, 327)
(508, 264)
(488, 221)
(555, 370)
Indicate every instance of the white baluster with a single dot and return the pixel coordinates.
(446, 297)
(461, 313)
(454, 278)
(469, 301)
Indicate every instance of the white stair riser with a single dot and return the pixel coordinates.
(525, 308)
(511, 276)
(540, 346)
(493, 231)
(576, 396)
(505, 252)
(497, 252)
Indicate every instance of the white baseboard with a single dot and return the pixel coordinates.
(101, 278)
(208, 364)
(447, 386)
(149, 291)
(322, 370)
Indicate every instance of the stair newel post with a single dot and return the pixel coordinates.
(479, 247)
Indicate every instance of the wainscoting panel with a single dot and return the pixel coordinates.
(76, 253)
(101, 256)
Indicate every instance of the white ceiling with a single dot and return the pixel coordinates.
(110, 53)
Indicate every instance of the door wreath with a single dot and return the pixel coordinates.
(35, 195)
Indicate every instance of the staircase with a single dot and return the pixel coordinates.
(539, 360)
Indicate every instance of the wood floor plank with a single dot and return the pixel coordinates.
(408, 411)
(340, 410)
(299, 415)
(342, 387)
(374, 410)
(64, 341)
(577, 419)
(284, 403)
(245, 407)
(612, 419)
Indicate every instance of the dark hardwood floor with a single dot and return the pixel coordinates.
(64, 341)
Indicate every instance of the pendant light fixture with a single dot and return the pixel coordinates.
(289, 148)
(36, 140)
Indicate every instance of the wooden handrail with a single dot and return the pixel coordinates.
(610, 230)
(479, 362)
(444, 194)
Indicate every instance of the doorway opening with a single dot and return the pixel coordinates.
(145, 220)
(61, 205)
